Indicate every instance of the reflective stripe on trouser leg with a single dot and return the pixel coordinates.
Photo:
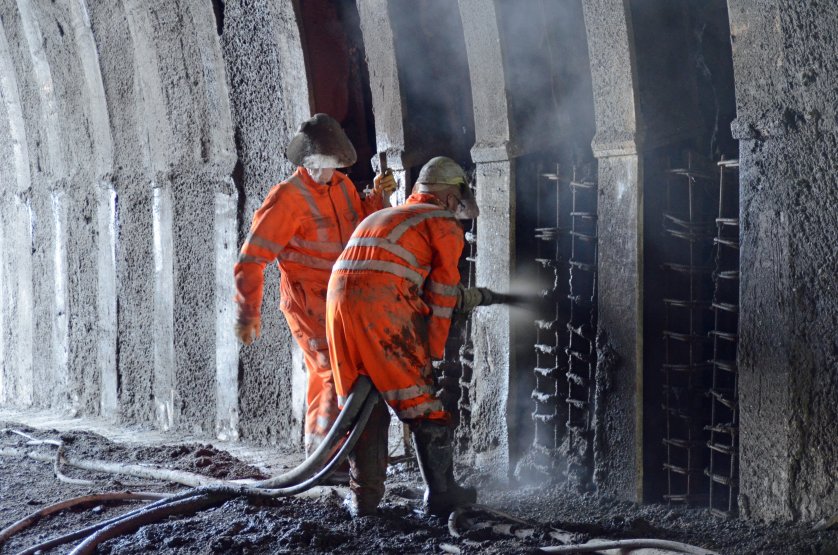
(322, 407)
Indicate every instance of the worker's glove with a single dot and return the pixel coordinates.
(384, 184)
(471, 297)
(247, 330)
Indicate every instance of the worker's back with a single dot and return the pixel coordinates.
(408, 242)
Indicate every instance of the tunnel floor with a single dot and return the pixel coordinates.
(318, 523)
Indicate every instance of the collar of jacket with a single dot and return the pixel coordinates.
(315, 186)
(424, 198)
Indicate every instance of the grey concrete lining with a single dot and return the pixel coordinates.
(269, 99)
(106, 307)
(385, 90)
(491, 333)
(620, 232)
(59, 376)
(492, 127)
(785, 70)
(14, 112)
(217, 125)
(155, 131)
(387, 102)
(165, 386)
(94, 89)
(18, 297)
(50, 123)
(226, 347)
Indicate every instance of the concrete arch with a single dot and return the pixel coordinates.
(385, 87)
(17, 299)
(102, 143)
(50, 119)
(494, 152)
(155, 131)
(617, 145)
(95, 91)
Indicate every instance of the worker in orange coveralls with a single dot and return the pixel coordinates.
(389, 306)
(304, 223)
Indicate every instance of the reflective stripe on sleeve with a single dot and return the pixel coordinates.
(385, 244)
(322, 232)
(381, 266)
(348, 201)
(406, 392)
(400, 229)
(246, 258)
(420, 410)
(442, 289)
(341, 400)
(325, 247)
(263, 243)
(442, 311)
(306, 260)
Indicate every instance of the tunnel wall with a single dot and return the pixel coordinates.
(785, 68)
(137, 139)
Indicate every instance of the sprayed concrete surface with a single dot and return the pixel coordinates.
(788, 355)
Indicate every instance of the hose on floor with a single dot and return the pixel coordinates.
(589, 547)
(331, 453)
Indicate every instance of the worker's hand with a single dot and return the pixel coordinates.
(248, 330)
(472, 297)
(384, 184)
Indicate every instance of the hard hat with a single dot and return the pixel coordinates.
(443, 173)
(321, 143)
(442, 170)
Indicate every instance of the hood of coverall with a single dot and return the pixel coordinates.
(321, 143)
(443, 173)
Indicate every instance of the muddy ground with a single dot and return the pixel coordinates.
(320, 525)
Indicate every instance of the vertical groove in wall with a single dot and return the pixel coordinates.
(60, 328)
(163, 320)
(226, 347)
(106, 300)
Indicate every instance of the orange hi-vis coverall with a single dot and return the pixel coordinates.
(304, 225)
(391, 297)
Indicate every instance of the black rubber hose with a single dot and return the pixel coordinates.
(33, 518)
(633, 544)
(126, 525)
(315, 461)
(207, 496)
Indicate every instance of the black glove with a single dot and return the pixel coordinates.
(471, 297)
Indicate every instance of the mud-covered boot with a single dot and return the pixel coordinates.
(368, 465)
(435, 453)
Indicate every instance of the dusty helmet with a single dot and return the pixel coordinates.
(321, 143)
(443, 173)
(442, 170)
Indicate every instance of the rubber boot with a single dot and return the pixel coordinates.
(368, 464)
(435, 453)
